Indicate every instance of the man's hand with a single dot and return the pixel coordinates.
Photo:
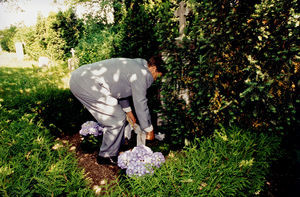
(150, 135)
(131, 116)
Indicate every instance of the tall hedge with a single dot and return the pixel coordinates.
(238, 63)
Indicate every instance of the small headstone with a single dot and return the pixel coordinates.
(44, 62)
(73, 63)
(19, 50)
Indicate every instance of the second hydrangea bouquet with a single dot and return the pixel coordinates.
(90, 132)
(140, 161)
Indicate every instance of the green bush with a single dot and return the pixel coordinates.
(236, 62)
(96, 43)
(6, 39)
(63, 30)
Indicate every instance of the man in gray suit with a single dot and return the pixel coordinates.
(104, 89)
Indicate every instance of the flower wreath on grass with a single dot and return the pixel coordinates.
(91, 128)
(140, 161)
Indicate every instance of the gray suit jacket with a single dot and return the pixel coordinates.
(122, 77)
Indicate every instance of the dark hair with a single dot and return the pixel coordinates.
(157, 61)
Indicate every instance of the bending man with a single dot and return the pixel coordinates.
(104, 87)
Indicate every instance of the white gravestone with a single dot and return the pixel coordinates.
(44, 62)
(19, 50)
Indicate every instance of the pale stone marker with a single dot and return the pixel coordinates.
(73, 62)
(44, 62)
(182, 12)
(73, 52)
(19, 50)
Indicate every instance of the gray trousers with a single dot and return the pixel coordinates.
(106, 111)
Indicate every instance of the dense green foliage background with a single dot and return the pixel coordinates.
(238, 63)
(6, 41)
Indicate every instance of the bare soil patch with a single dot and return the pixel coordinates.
(97, 174)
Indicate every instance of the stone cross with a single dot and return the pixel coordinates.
(182, 12)
(73, 52)
(73, 61)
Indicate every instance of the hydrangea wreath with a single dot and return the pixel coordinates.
(140, 161)
(91, 128)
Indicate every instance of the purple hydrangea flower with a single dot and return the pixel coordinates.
(140, 161)
(91, 128)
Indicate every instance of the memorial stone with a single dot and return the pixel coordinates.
(181, 13)
(19, 50)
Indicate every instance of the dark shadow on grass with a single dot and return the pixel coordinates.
(62, 113)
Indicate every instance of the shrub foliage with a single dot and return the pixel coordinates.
(237, 63)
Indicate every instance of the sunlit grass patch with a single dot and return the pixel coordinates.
(11, 60)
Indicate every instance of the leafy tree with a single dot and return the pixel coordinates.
(96, 43)
(136, 31)
(62, 33)
(6, 40)
(53, 36)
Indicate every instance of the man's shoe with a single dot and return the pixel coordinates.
(107, 160)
